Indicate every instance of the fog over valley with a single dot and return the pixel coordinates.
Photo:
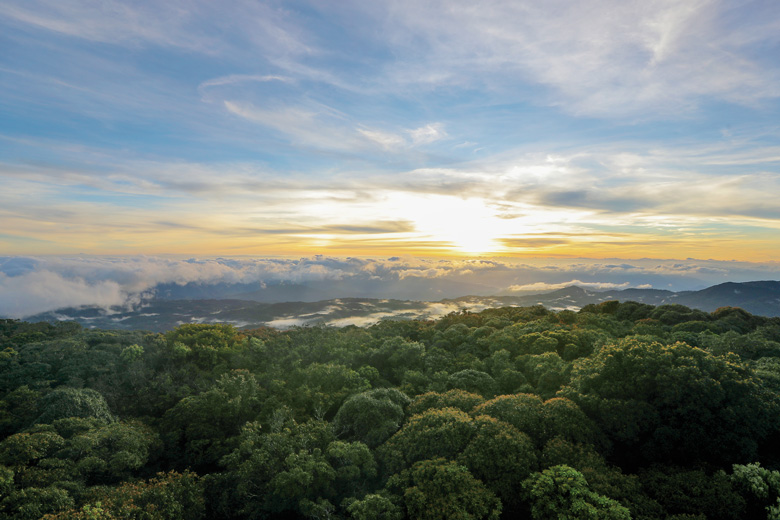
(33, 285)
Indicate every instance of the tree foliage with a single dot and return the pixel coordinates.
(619, 409)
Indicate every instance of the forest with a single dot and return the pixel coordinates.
(617, 411)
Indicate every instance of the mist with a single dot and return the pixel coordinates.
(31, 285)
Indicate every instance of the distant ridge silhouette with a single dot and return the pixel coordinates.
(761, 298)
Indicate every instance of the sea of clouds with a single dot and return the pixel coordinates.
(31, 285)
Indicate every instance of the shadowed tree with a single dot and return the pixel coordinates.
(168, 496)
(373, 507)
(674, 402)
(371, 417)
(501, 457)
(460, 399)
(433, 433)
(74, 402)
(438, 489)
(199, 429)
(473, 381)
(523, 411)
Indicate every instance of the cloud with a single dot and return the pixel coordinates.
(605, 201)
(31, 293)
(323, 127)
(657, 58)
(287, 322)
(541, 286)
(30, 285)
(387, 140)
(427, 134)
(314, 125)
(237, 79)
(365, 321)
(308, 135)
(194, 25)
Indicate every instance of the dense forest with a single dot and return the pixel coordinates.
(618, 411)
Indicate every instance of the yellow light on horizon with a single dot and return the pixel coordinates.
(468, 224)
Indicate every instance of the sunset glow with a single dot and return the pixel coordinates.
(390, 128)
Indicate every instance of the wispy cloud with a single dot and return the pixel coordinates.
(238, 79)
(655, 59)
(623, 198)
(193, 25)
(428, 133)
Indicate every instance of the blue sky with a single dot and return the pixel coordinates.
(529, 129)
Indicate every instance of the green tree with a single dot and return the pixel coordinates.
(33, 503)
(681, 490)
(110, 453)
(373, 507)
(18, 409)
(523, 411)
(199, 430)
(674, 402)
(562, 418)
(761, 487)
(602, 478)
(168, 496)
(501, 457)
(473, 381)
(562, 492)
(74, 402)
(320, 389)
(202, 343)
(460, 399)
(433, 433)
(438, 489)
(277, 472)
(355, 467)
(396, 356)
(371, 417)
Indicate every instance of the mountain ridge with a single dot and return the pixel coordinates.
(757, 297)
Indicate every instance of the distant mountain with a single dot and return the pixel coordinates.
(761, 298)
(411, 288)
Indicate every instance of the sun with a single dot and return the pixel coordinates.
(467, 224)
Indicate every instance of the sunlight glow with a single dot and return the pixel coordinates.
(468, 224)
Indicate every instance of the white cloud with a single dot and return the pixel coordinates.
(315, 125)
(603, 58)
(237, 79)
(519, 200)
(194, 25)
(29, 285)
(365, 321)
(310, 124)
(427, 134)
(287, 322)
(542, 286)
(42, 291)
(387, 140)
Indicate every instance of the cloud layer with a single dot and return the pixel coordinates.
(30, 285)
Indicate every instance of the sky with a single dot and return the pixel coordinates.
(439, 129)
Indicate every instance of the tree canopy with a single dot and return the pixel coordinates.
(620, 410)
